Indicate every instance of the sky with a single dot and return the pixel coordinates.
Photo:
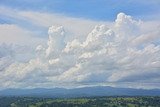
(79, 43)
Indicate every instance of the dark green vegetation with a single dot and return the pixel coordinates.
(80, 102)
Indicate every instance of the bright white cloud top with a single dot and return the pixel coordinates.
(125, 53)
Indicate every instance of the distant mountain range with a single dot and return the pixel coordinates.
(79, 92)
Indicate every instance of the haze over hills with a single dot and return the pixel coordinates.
(79, 92)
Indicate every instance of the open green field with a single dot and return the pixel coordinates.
(80, 102)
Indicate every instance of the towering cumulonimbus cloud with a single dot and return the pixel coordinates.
(107, 55)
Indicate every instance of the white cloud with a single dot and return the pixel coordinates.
(76, 26)
(108, 54)
(13, 34)
(153, 36)
(56, 41)
(30, 25)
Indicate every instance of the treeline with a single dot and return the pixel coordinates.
(121, 101)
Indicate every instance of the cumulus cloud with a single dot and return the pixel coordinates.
(107, 55)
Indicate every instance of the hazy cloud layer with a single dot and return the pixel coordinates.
(128, 52)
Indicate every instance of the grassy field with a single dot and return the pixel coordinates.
(80, 102)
